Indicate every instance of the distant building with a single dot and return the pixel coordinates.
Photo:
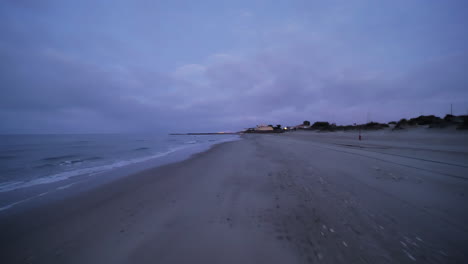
(457, 119)
(264, 128)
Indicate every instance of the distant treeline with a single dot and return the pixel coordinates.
(460, 122)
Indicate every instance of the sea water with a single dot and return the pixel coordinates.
(30, 160)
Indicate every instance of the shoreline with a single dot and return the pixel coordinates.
(265, 199)
(50, 190)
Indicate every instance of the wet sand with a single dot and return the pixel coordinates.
(299, 197)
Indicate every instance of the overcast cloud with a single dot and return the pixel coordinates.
(135, 66)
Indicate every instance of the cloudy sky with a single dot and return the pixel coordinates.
(133, 66)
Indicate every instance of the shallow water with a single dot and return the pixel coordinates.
(28, 160)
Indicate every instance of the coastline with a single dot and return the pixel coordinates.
(267, 198)
(55, 187)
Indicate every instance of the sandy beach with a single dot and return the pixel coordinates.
(300, 197)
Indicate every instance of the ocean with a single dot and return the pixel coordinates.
(30, 160)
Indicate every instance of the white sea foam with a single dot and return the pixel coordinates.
(91, 171)
(65, 186)
(14, 185)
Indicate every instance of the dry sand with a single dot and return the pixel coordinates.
(302, 197)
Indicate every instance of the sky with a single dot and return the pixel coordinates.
(114, 66)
